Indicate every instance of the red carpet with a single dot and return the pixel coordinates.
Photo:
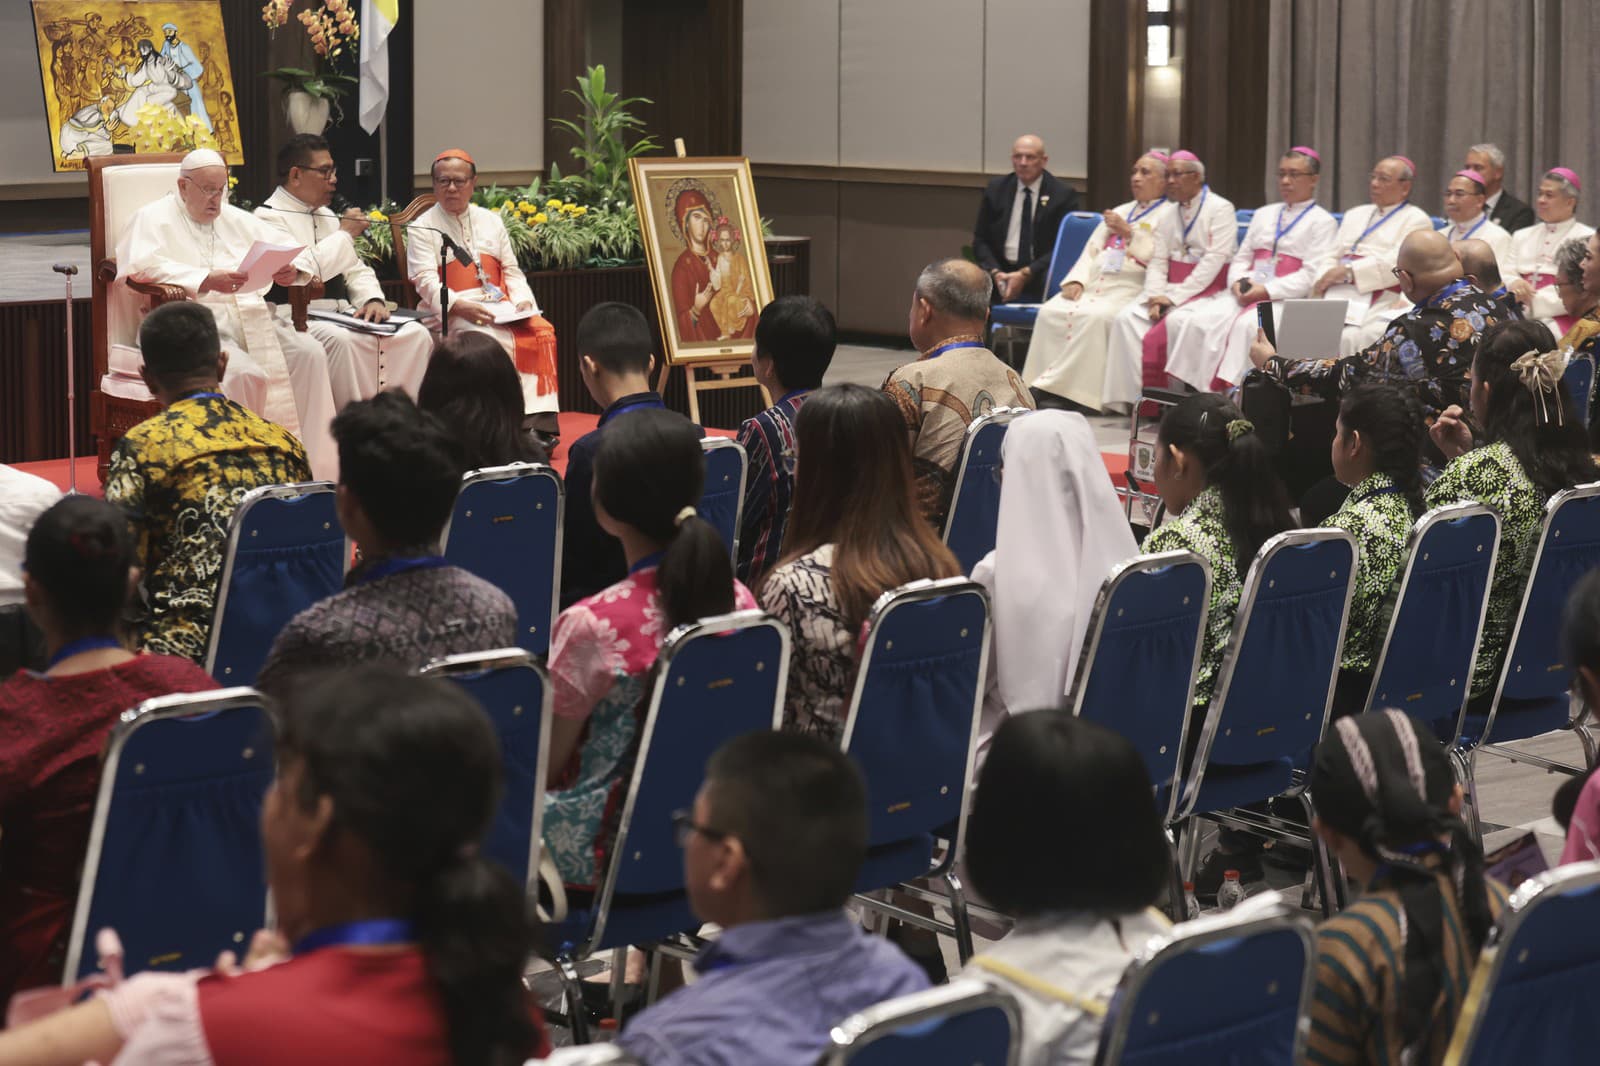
(573, 426)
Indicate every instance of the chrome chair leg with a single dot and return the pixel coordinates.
(577, 1013)
(959, 916)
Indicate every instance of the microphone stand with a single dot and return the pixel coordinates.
(67, 270)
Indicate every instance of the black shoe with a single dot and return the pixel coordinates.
(1209, 877)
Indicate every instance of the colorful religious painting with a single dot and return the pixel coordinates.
(708, 265)
(135, 75)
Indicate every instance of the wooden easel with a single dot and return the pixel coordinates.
(723, 375)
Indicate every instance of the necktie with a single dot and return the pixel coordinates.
(1025, 231)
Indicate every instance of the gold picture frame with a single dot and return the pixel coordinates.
(115, 74)
(707, 301)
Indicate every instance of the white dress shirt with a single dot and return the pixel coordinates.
(23, 498)
(1014, 227)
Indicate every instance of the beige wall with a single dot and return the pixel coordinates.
(26, 170)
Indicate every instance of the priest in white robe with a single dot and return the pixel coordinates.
(1530, 275)
(1466, 216)
(491, 288)
(1067, 351)
(1367, 246)
(194, 239)
(360, 364)
(1284, 252)
(1194, 239)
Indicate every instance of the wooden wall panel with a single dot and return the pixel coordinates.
(687, 57)
(1224, 107)
(1116, 97)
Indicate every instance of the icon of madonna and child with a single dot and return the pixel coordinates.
(713, 292)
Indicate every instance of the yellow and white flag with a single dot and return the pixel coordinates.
(377, 19)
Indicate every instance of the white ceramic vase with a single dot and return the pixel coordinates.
(307, 113)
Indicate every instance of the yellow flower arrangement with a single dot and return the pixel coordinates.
(233, 182)
(553, 204)
(160, 129)
(541, 218)
(377, 216)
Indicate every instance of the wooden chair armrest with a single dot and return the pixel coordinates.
(106, 270)
(300, 297)
(159, 294)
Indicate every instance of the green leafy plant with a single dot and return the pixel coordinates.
(608, 135)
(323, 86)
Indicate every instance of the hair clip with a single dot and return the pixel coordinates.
(1239, 427)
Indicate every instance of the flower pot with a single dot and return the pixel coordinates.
(307, 113)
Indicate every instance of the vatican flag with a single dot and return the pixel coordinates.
(377, 19)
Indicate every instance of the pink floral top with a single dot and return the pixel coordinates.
(601, 652)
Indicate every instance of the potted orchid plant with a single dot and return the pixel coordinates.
(311, 95)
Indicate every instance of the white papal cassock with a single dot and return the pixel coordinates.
(1369, 243)
(360, 365)
(1484, 228)
(1533, 259)
(1193, 243)
(481, 231)
(1067, 351)
(1286, 248)
(164, 244)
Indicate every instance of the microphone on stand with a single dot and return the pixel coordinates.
(460, 254)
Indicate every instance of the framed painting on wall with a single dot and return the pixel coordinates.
(707, 260)
(135, 75)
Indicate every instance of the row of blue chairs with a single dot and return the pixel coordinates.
(286, 550)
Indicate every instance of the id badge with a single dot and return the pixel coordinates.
(1113, 256)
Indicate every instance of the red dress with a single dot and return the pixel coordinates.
(53, 733)
(333, 1005)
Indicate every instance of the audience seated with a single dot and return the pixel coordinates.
(1577, 802)
(1392, 968)
(1532, 267)
(1505, 209)
(795, 338)
(1464, 208)
(1021, 212)
(1580, 296)
(396, 941)
(853, 535)
(956, 381)
(1069, 345)
(1280, 258)
(472, 388)
(403, 604)
(180, 475)
(1369, 238)
(1427, 350)
(1479, 266)
(1082, 885)
(771, 849)
(1377, 451)
(54, 725)
(1532, 446)
(614, 355)
(1060, 532)
(648, 473)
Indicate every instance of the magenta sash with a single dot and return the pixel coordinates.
(1153, 362)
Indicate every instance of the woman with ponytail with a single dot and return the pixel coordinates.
(1377, 452)
(78, 577)
(1393, 967)
(648, 475)
(396, 941)
(1522, 443)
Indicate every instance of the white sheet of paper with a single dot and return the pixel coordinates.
(1358, 302)
(264, 260)
(505, 312)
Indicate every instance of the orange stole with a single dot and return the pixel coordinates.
(535, 338)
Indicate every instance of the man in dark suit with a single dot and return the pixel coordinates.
(1503, 209)
(1017, 223)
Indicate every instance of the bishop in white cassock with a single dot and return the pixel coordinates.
(492, 281)
(195, 240)
(360, 364)
(1466, 217)
(1367, 246)
(1067, 351)
(1283, 253)
(1194, 238)
(1531, 273)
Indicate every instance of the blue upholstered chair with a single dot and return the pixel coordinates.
(1017, 318)
(722, 502)
(971, 525)
(506, 528)
(285, 551)
(963, 1023)
(174, 863)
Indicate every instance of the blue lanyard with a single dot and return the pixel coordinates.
(937, 352)
(791, 394)
(1282, 230)
(202, 396)
(391, 567)
(1382, 218)
(81, 645)
(1445, 293)
(1484, 218)
(367, 932)
(1136, 216)
(1205, 190)
(1384, 491)
(646, 562)
(637, 405)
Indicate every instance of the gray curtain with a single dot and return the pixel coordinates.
(1362, 79)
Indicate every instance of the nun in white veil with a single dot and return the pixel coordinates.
(1061, 531)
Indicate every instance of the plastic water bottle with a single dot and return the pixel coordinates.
(1231, 892)
(1191, 906)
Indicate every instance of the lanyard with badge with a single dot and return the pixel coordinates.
(1266, 269)
(1116, 249)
